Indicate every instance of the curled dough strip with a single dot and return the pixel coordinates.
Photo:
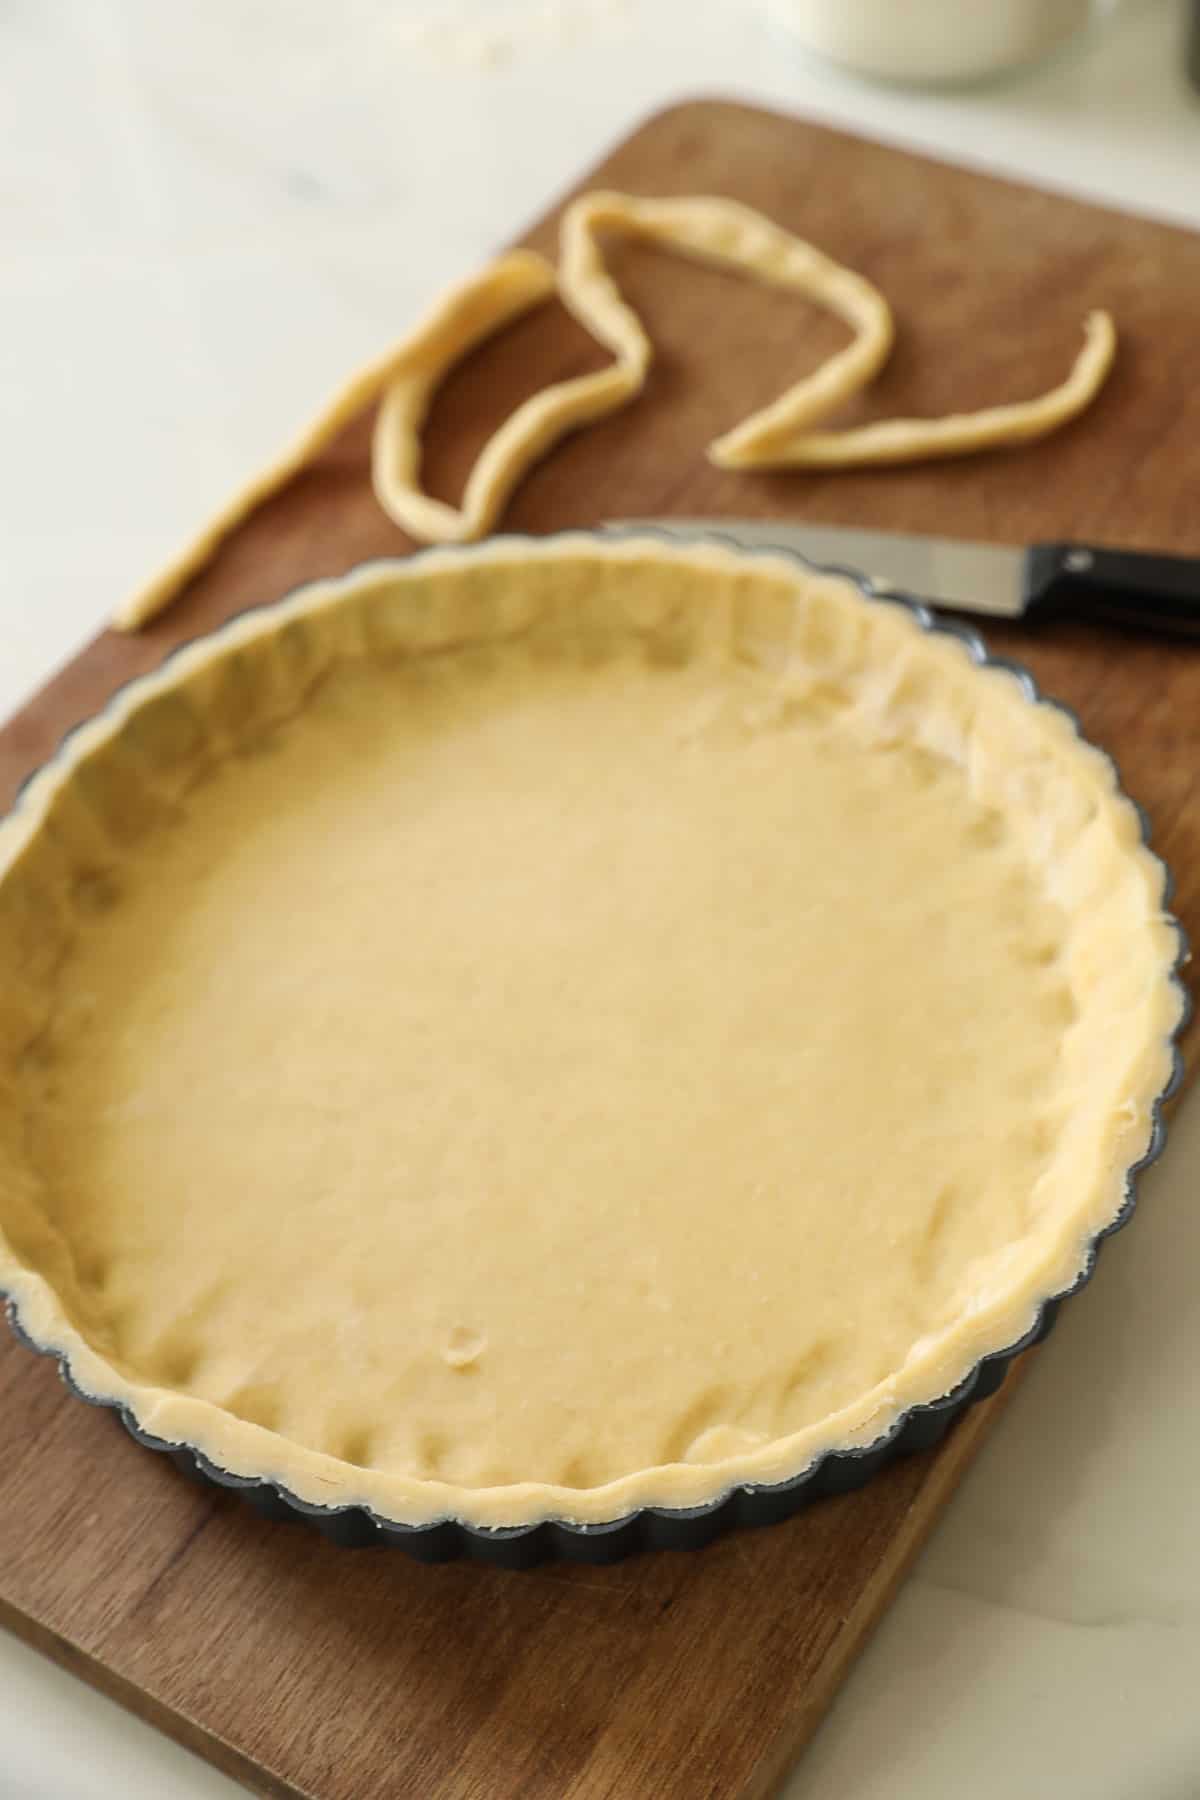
(780, 435)
(466, 313)
(525, 436)
(963, 434)
(708, 230)
(731, 236)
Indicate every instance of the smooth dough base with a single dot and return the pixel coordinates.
(558, 1057)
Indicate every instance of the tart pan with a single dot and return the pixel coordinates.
(743, 1504)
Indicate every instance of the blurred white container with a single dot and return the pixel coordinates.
(933, 42)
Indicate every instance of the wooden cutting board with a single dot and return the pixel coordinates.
(305, 1670)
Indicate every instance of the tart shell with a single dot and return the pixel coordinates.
(743, 1503)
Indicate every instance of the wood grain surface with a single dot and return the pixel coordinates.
(305, 1670)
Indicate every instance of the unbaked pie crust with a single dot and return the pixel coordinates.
(554, 1028)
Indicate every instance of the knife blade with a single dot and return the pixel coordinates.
(1138, 590)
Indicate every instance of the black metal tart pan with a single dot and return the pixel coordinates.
(689, 1528)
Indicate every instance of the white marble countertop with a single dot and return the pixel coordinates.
(210, 214)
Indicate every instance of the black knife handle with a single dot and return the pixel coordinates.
(1132, 588)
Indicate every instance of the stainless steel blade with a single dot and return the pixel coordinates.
(962, 577)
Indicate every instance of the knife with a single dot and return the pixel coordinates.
(1130, 588)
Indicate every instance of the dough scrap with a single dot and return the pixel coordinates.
(709, 230)
(732, 236)
(466, 313)
(886, 441)
(524, 437)
(712, 230)
(780, 435)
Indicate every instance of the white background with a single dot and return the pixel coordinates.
(209, 215)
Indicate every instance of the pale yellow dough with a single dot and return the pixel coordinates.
(963, 434)
(460, 319)
(728, 235)
(526, 435)
(715, 231)
(707, 229)
(548, 1029)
